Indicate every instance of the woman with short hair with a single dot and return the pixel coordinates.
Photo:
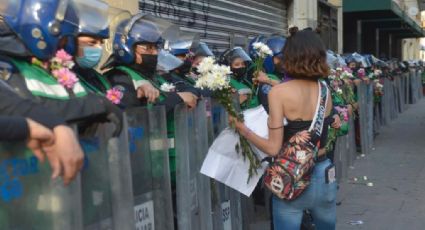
(295, 101)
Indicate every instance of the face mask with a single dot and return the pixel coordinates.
(195, 70)
(149, 62)
(239, 73)
(185, 68)
(91, 57)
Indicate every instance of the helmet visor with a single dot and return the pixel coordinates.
(147, 28)
(167, 61)
(203, 50)
(92, 14)
(10, 8)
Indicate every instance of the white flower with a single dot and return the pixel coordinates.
(215, 78)
(346, 74)
(168, 87)
(332, 77)
(339, 69)
(339, 91)
(262, 49)
(377, 72)
(206, 65)
(379, 85)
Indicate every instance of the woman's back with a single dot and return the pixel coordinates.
(299, 99)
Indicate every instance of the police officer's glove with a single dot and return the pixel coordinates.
(115, 116)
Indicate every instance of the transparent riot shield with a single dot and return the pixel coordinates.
(119, 176)
(188, 206)
(370, 116)
(217, 214)
(363, 116)
(105, 190)
(29, 199)
(204, 185)
(148, 145)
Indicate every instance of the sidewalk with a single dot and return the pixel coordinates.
(396, 167)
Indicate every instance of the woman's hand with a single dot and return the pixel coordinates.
(65, 156)
(242, 98)
(261, 77)
(350, 110)
(337, 122)
(357, 82)
(189, 99)
(39, 136)
(239, 126)
(148, 91)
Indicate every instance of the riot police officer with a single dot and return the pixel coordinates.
(89, 47)
(238, 60)
(134, 61)
(36, 73)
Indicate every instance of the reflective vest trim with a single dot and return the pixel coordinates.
(57, 91)
(42, 89)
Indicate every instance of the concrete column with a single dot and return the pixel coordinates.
(303, 13)
(338, 4)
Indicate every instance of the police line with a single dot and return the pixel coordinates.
(126, 182)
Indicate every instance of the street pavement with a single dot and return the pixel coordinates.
(396, 169)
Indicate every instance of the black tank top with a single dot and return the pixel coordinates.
(296, 126)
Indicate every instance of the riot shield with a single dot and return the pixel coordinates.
(188, 206)
(29, 199)
(148, 144)
(362, 92)
(204, 186)
(105, 174)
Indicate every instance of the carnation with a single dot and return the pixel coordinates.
(168, 87)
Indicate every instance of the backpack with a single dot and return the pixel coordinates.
(289, 173)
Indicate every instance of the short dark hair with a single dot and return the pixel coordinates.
(305, 56)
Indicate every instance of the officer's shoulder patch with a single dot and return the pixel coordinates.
(266, 88)
(6, 69)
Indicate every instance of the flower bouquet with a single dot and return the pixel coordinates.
(262, 52)
(216, 78)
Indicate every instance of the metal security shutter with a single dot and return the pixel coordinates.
(222, 23)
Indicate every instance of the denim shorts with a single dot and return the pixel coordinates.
(319, 198)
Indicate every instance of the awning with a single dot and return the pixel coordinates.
(385, 15)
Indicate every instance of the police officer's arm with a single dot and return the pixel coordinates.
(123, 82)
(13, 128)
(13, 105)
(172, 99)
(70, 110)
(181, 84)
(130, 99)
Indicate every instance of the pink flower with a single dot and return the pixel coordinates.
(65, 77)
(343, 111)
(63, 56)
(345, 68)
(361, 73)
(114, 95)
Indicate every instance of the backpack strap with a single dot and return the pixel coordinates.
(316, 126)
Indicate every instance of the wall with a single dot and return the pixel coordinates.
(338, 4)
(303, 13)
(411, 47)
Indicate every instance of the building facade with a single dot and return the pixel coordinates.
(224, 24)
(386, 28)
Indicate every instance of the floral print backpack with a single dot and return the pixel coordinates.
(289, 173)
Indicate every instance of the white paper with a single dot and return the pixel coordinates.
(224, 164)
